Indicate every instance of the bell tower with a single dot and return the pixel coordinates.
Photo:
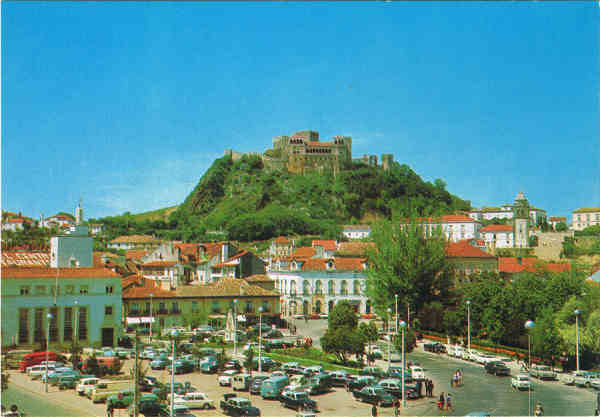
(521, 221)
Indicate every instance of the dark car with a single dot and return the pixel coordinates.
(233, 364)
(148, 383)
(183, 366)
(125, 342)
(148, 405)
(434, 347)
(256, 384)
(373, 371)
(339, 378)
(396, 372)
(267, 364)
(361, 382)
(374, 395)
(297, 401)
(273, 334)
(497, 368)
(394, 387)
(238, 406)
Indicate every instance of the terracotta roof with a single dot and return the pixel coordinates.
(509, 265)
(143, 288)
(158, 264)
(131, 280)
(282, 240)
(354, 248)
(25, 258)
(497, 228)
(136, 254)
(329, 245)
(512, 265)
(135, 239)
(63, 217)
(339, 264)
(212, 248)
(229, 261)
(258, 278)
(19, 220)
(464, 249)
(304, 252)
(587, 210)
(558, 219)
(47, 272)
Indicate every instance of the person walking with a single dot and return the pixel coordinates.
(449, 402)
(441, 401)
(374, 410)
(431, 387)
(396, 408)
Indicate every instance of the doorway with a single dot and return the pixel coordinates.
(108, 334)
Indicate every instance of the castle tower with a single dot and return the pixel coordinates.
(386, 160)
(521, 221)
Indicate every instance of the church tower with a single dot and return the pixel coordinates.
(79, 214)
(521, 221)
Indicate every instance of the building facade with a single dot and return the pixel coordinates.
(498, 236)
(468, 259)
(585, 217)
(357, 231)
(72, 250)
(134, 242)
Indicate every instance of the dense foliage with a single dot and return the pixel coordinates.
(30, 238)
(243, 201)
(342, 337)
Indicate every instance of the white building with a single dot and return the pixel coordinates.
(498, 236)
(15, 224)
(314, 286)
(585, 217)
(357, 231)
(455, 227)
(536, 215)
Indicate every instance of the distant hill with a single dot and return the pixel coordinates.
(160, 214)
(252, 203)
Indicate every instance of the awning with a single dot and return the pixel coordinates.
(139, 320)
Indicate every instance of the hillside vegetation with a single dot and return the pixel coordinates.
(242, 201)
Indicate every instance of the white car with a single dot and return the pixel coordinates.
(595, 383)
(521, 382)
(195, 400)
(450, 350)
(569, 379)
(37, 371)
(86, 383)
(417, 372)
(225, 379)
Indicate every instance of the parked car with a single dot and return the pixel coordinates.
(542, 372)
(586, 379)
(521, 382)
(194, 400)
(233, 364)
(292, 368)
(373, 371)
(157, 364)
(374, 395)
(297, 401)
(396, 372)
(256, 384)
(569, 379)
(394, 388)
(148, 405)
(595, 383)
(267, 364)
(417, 372)
(340, 378)
(225, 379)
(237, 406)
(497, 368)
(183, 366)
(67, 382)
(121, 400)
(361, 382)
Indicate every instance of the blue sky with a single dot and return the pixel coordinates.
(127, 104)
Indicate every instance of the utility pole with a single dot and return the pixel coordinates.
(135, 377)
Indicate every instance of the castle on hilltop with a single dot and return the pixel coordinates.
(303, 153)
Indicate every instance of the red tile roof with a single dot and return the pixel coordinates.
(558, 219)
(339, 264)
(304, 252)
(158, 264)
(135, 239)
(25, 258)
(329, 245)
(464, 249)
(212, 248)
(19, 220)
(136, 254)
(282, 240)
(47, 272)
(530, 264)
(497, 228)
(509, 265)
(451, 218)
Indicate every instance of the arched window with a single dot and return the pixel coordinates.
(292, 287)
(344, 288)
(356, 285)
(331, 287)
(318, 287)
(318, 307)
(305, 287)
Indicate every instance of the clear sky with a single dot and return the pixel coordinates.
(127, 104)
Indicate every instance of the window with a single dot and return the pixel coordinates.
(248, 308)
(331, 287)
(54, 290)
(162, 309)
(83, 289)
(23, 326)
(38, 325)
(82, 323)
(266, 307)
(175, 308)
(53, 323)
(305, 287)
(194, 306)
(68, 324)
(24, 290)
(109, 289)
(319, 288)
(344, 288)
(108, 310)
(69, 289)
(356, 287)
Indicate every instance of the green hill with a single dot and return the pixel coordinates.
(251, 203)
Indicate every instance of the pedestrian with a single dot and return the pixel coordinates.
(431, 387)
(397, 408)
(448, 402)
(429, 391)
(597, 412)
(441, 401)
(419, 388)
(109, 410)
(374, 410)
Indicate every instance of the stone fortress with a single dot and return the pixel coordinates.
(303, 153)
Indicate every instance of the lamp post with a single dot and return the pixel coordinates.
(396, 320)
(577, 313)
(402, 326)
(235, 301)
(49, 316)
(260, 311)
(468, 325)
(389, 310)
(529, 325)
(408, 315)
(151, 316)
(174, 335)
(76, 319)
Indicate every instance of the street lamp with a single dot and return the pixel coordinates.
(577, 313)
(49, 316)
(260, 311)
(151, 316)
(468, 325)
(174, 336)
(396, 320)
(235, 301)
(403, 325)
(529, 325)
(389, 310)
(76, 319)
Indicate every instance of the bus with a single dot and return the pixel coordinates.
(31, 359)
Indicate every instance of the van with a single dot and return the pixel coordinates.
(36, 371)
(86, 383)
(271, 388)
(241, 382)
(36, 358)
(105, 389)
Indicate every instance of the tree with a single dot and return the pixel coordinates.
(407, 263)
(248, 360)
(343, 315)
(561, 227)
(545, 335)
(410, 341)
(4, 381)
(533, 241)
(370, 334)
(342, 338)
